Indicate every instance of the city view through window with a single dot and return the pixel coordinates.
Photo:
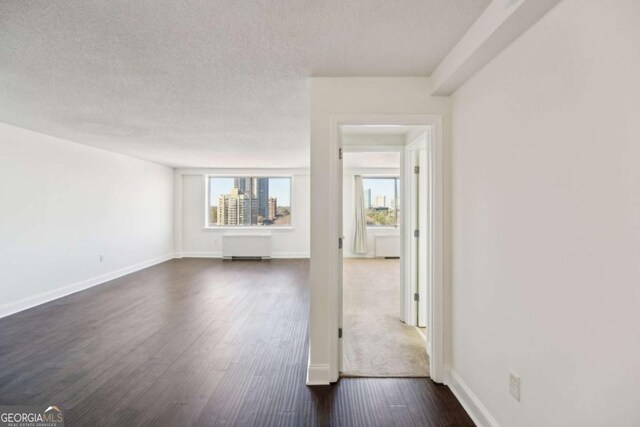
(249, 201)
(382, 201)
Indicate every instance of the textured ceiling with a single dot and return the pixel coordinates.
(205, 83)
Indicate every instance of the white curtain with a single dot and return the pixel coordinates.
(360, 223)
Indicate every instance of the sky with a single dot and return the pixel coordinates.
(379, 187)
(279, 188)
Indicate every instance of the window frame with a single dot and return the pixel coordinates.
(213, 227)
(396, 179)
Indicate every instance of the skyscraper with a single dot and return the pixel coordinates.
(380, 202)
(261, 194)
(367, 198)
(248, 187)
(273, 208)
(243, 185)
(248, 200)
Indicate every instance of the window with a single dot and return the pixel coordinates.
(248, 201)
(382, 201)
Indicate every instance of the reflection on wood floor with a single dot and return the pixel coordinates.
(196, 341)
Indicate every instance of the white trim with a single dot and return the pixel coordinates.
(318, 374)
(42, 298)
(334, 269)
(437, 324)
(468, 399)
(218, 254)
(240, 172)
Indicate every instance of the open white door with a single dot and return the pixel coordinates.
(418, 236)
(423, 239)
(414, 230)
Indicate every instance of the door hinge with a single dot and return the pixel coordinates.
(416, 169)
(416, 233)
(340, 153)
(339, 332)
(339, 242)
(416, 297)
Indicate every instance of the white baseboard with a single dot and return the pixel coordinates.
(279, 255)
(318, 374)
(29, 302)
(201, 254)
(469, 401)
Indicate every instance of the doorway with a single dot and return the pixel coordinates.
(318, 373)
(384, 267)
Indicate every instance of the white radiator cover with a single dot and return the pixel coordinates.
(246, 246)
(387, 246)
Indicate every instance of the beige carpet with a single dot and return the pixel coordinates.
(376, 343)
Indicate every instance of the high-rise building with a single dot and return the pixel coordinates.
(380, 202)
(248, 200)
(273, 208)
(261, 194)
(249, 187)
(244, 185)
(367, 198)
(234, 208)
(223, 210)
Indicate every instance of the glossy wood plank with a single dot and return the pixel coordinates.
(197, 342)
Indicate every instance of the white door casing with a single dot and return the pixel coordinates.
(435, 313)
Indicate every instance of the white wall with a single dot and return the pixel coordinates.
(348, 207)
(63, 204)
(546, 221)
(335, 96)
(196, 241)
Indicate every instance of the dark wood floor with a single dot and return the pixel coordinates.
(196, 342)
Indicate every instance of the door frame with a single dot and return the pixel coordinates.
(436, 311)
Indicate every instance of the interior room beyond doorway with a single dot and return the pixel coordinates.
(376, 340)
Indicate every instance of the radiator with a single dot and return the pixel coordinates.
(246, 246)
(387, 246)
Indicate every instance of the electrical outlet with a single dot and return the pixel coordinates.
(101, 258)
(514, 386)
